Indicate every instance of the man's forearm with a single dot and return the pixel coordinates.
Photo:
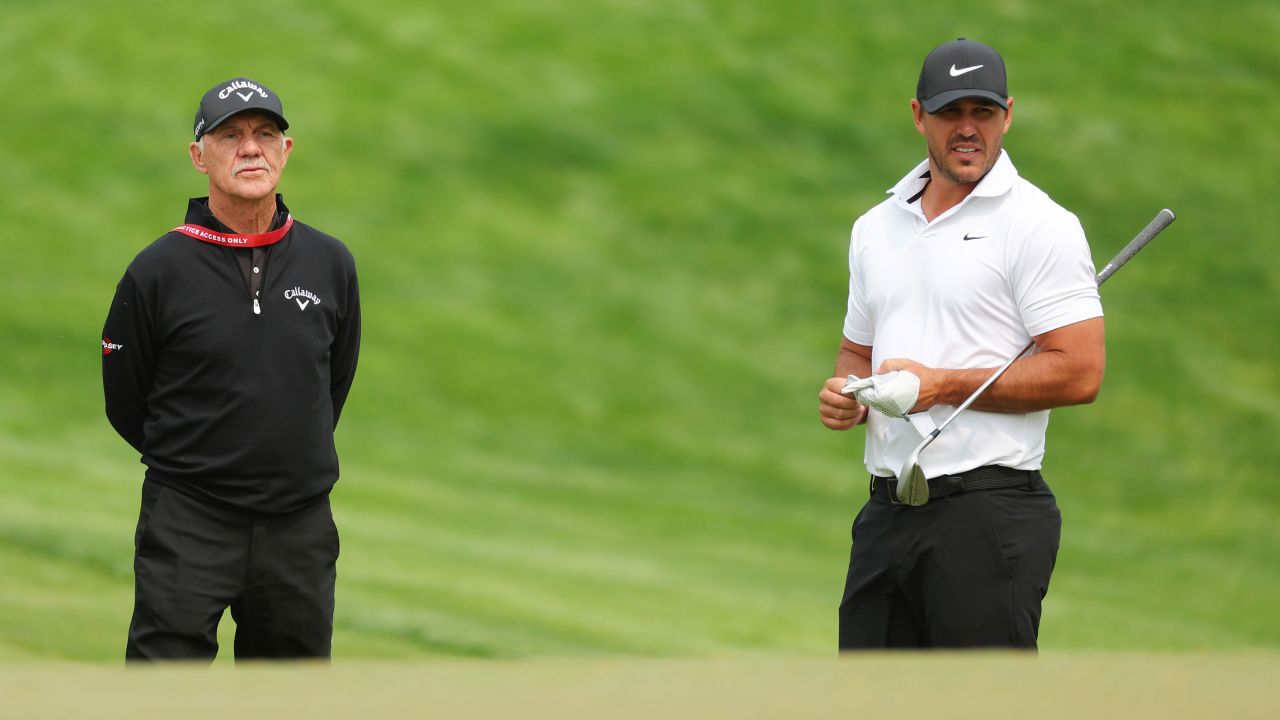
(1039, 382)
(849, 362)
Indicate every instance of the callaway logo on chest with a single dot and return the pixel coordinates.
(302, 297)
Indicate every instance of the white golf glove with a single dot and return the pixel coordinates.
(893, 393)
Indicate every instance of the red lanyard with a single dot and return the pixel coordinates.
(204, 234)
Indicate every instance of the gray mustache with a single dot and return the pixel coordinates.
(248, 165)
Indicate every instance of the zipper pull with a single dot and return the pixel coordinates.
(257, 309)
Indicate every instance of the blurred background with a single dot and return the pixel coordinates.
(602, 249)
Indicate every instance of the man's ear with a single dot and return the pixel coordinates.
(197, 157)
(288, 148)
(917, 115)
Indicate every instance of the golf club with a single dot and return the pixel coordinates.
(913, 485)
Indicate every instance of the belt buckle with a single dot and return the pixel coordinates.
(892, 487)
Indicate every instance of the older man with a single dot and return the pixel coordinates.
(227, 355)
(963, 265)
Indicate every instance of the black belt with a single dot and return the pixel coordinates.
(987, 477)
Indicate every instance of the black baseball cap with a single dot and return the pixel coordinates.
(961, 69)
(235, 96)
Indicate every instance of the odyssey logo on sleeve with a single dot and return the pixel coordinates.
(108, 346)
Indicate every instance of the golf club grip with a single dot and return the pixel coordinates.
(1148, 233)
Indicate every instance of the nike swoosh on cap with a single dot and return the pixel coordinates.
(961, 71)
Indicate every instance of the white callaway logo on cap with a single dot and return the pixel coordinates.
(226, 91)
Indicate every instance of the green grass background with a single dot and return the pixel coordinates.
(602, 251)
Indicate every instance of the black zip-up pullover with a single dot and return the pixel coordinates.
(224, 404)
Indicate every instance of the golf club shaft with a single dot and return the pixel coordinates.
(1153, 228)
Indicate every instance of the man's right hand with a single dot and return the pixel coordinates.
(839, 412)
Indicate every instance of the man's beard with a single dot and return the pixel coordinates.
(945, 170)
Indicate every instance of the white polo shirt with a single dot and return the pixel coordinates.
(967, 290)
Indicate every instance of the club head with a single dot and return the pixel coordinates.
(913, 486)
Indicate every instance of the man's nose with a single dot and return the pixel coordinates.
(968, 126)
(249, 146)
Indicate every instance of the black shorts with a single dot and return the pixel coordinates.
(193, 560)
(969, 570)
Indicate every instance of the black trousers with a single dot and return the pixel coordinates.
(193, 560)
(964, 571)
